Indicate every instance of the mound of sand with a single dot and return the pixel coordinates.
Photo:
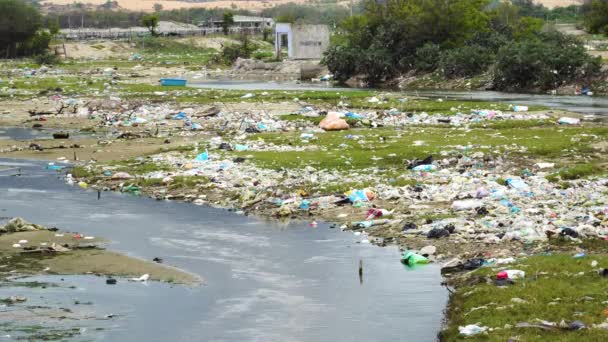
(98, 50)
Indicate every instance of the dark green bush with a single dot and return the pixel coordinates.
(37, 44)
(465, 61)
(376, 64)
(547, 62)
(427, 57)
(341, 61)
(596, 18)
(243, 49)
(46, 59)
(263, 55)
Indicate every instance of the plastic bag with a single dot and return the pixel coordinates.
(333, 122)
(411, 258)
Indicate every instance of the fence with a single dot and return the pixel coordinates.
(129, 34)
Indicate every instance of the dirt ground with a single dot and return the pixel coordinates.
(101, 50)
(80, 261)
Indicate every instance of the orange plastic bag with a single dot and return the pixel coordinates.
(333, 122)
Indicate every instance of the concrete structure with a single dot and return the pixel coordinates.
(303, 41)
(242, 22)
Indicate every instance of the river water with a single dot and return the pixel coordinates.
(264, 281)
(25, 133)
(591, 105)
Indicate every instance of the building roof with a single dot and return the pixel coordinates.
(245, 18)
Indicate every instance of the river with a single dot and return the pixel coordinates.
(264, 281)
(590, 105)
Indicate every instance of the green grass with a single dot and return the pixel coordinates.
(433, 106)
(134, 167)
(187, 182)
(141, 182)
(337, 151)
(513, 124)
(81, 172)
(549, 279)
(66, 85)
(576, 172)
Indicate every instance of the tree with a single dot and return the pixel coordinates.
(386, 37)
(19, 22)
(158, 7)
(227, 22)
(109, 4)
(151, 22)
(596, 18)
(53, 26)
(548, 61)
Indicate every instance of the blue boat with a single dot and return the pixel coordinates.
(173, 82)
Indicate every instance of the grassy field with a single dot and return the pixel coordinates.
(359, 149)
(556, 287)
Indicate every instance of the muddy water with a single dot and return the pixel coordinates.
(23, 133)
(264, 281)
(267, 85)
(593, 105)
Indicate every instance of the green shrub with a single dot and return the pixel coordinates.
(543, 63)
(596, 18)
(427, 57)
(37, 44)
(376, 65)
(465, 61)
(243, 49)
(341, 61)
(263, 55)
(46, 59)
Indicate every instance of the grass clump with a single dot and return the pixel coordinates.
(575, 172)
(140, 168)
(149, 182)
(81, 172)
(183, 182)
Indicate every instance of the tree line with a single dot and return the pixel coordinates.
(21, 30)
(458, 38)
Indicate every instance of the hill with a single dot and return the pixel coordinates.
(254, 5)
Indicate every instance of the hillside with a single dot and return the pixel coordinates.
(147, 5)
(558, 3)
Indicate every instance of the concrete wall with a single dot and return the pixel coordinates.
(304, 41)
(309, 41)
(280, 30)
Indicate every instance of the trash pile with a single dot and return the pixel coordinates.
(483, 199)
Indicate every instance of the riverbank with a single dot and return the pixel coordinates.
(253, 268)
(501, 179)
(29, 249)
(554, 295)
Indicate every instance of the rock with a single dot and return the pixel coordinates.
(111, 281)
(428, 250)
(437, 233)
(409, 225)
(518, 301)
(576, 325)
(14, 299)
(18, 224)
